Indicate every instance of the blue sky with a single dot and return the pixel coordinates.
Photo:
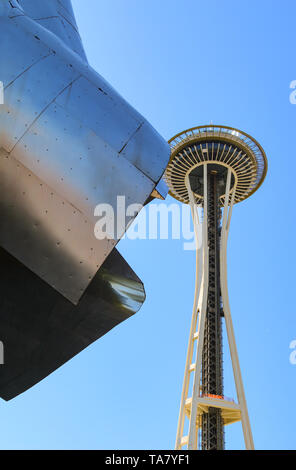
(182, 64)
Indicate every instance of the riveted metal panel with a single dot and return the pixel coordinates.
(47, 233)
(58, 18)
(79, 164)
(96, 108)
(19, 50)
(37, 9)
(72, 135)
(125, 130)
(45, 9)
(64, 12)
(145, 150)
(63, 29)
(23, 94)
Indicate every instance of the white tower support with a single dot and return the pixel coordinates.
(212, 168)
(193, 404)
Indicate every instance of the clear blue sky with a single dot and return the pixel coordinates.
(183, 63)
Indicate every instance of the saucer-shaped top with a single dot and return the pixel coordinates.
(220, 147)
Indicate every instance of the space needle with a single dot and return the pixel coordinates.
(211, 169)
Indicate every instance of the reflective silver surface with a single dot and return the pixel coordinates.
(56, 16)
(68, 142)
(41, 329)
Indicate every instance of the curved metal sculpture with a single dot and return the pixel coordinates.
(68, 142)
(212, 168)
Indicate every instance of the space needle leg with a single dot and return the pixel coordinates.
(202, 307)
(198, 319)
(229, 326)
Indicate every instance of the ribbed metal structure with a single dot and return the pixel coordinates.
(212, 433)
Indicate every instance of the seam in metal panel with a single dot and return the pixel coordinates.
(73, 26)
(127, 142)
(26, 70)
(26, 168)
(66, 8)
(46, 107)
(131, 137)
(138, 128)
(45, 18)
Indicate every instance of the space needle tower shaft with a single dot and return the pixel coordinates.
(212, 431)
